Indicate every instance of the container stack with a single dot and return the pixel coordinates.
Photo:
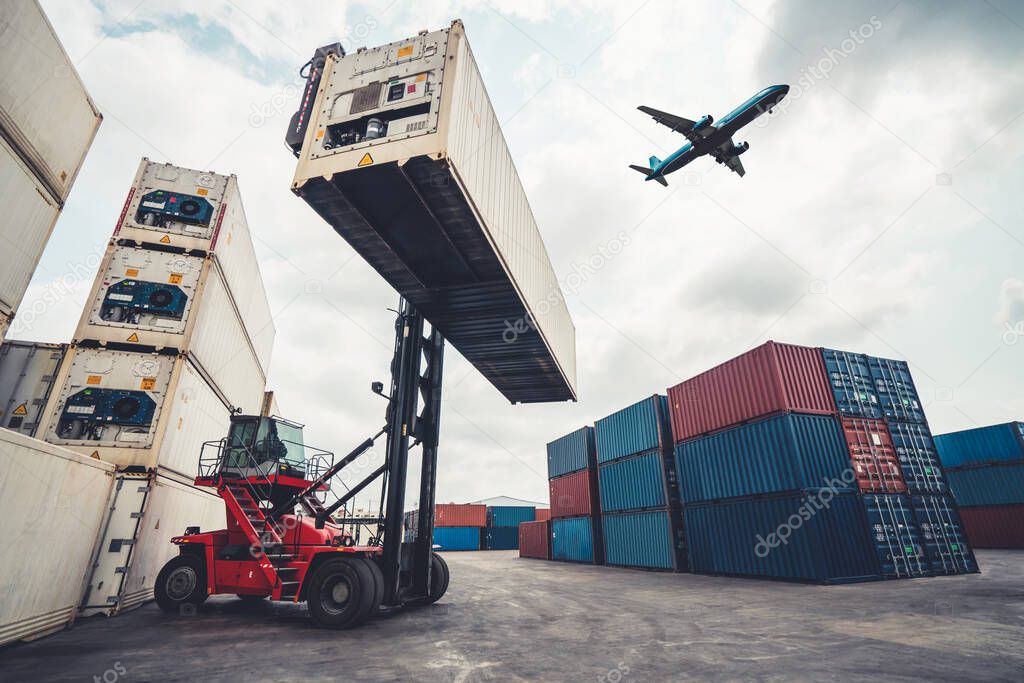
(459, 526)
(575, 510)
(27, 373)
(535, 539)
(641, 522)
(985, 470)
(503, 522)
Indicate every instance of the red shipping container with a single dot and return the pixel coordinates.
(772, 378)
(453, 514)
(574, 495)
(873, 456)
(535, 539)
(543, 514)
(994, 526)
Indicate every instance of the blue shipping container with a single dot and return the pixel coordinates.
(643, 426)
(571, 453)
(509, 515)
(852, 384)
(995, 443)
(919, 460)
(501, 538)
(457, 537)
(636, 483)
(784, 537)
(783, 453)
(572, 539)
(943, 534)
(897, 536)
(988, 484)
(651, 540)
(896, 391)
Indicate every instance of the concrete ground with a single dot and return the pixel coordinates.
(510, 619)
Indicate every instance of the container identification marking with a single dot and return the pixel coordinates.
(93, 379)
(366, 160)
(132, 272)
(148, 384)
(202, 191)
(175, 279)
(404, 51)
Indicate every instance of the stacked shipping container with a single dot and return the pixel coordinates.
(503, 525)
(458, 526)
(985, 469)
(575, 511)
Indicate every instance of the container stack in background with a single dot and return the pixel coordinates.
(458, 526)
(985, 470)
(641, 523)
(503, 522)
(575, 508)
(47, 124)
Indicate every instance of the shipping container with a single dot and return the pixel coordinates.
(918, 458)
(133, 408)
(641, 427)
(996, 484)
(30, 213)
(48, 495)
(873, 455)
(995, 443)
(575, 494)
(28, 371)
(896, 391)
(898, 538)
(501, 538)
(641, 482)
(535, 539)
(411, 121)
(457, 538)
(510, 515)
(853, 387)
(772, 378)
(45, 112)
(573, 540)
(943, 533)
(455, 514)
(543, 514)
(649, 540)
(783, 453)
(573, 452)
(994, 526)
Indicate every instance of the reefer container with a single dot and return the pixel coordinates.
(457, 537)
(898, 538)
(853, 387)
(575, 539)
(919, 461)
(510, 515)
(782, 453)
(995, 443)
(135, 408)
(648, 540)
(572, 452)
(574, 494)
(30, 213)
(896, 391)
(501, 538)
(771, 378)
(943, 533)
(48, 495)
(994, 526)
(454, 514)
(45, 111)
(27, 373)
(405, 158)
(643, 426)
(169, 299)
(535, 539)
(873, 456)
(641, 482)
(996, 484)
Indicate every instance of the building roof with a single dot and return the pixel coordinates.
(501, 501)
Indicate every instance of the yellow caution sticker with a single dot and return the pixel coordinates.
(132, 272)
(175, 279)
(421, 78)
(21, 410)
(133, 337)
(93, 379)
(366, 160)
(148, 384)
(165, 240)
(202, 191)
(404, 51)
(95, 455)
(319, 133)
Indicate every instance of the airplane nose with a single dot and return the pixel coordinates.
(784, 89)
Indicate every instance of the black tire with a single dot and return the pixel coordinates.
(252, 599)
(181, 584)
(378, 582)
(341, 593)
(439, 579)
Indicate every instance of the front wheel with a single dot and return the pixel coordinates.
(181, 584)
(341, 593)
(439, 579)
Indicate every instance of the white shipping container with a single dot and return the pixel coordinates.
(29, 214)
(27, 373)
(48, 495)
(404, 156)
(45, 111)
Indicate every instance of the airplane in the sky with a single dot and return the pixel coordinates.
(705, 138)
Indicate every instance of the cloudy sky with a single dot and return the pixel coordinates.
(881, 210)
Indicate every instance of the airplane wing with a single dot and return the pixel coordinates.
(735, 164)
(731, 161)
(676, 123)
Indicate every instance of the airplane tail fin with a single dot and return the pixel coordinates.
(654, 161)
(648, 172)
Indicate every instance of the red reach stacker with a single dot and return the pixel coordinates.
(282, 539)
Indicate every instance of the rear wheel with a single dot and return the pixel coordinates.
(181, 584)
(378, 581)
(341, 593)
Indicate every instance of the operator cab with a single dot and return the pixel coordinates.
(262, 447)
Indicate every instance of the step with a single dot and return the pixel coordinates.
(289, 589)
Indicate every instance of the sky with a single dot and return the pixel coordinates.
(881, 210)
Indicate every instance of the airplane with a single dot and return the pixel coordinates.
(705, 138)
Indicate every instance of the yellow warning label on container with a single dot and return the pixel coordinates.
(175, 279)
(165, 240)
(148, 384)
(21, 410)
(319, 133)
(404, 51)
(421, 78)
(95, 455)
(132, 272)
(202, 191)
(366, 160)
(93, 379)
(133, 337)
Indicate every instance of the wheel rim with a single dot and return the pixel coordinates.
(336, 594)
(181, 583)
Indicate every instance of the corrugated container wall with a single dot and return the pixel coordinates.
(455, 514)
(853, 387)
(919, 460)
(510, 515)
(574, 494)
(943, 533)
(535, 539)
(994, 526)
(28, 371)
(650, 540)
(572, 540)
(988, 485)
(457, 537)
(637, 428)
(543, 514)
(896, 391)
(501, 538)
(636, 483)
(873, 455)
(899, 543)
(571, 453)
(995, 443)
(769, 379)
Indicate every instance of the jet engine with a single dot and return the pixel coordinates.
(739, 149)
(704, 122)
